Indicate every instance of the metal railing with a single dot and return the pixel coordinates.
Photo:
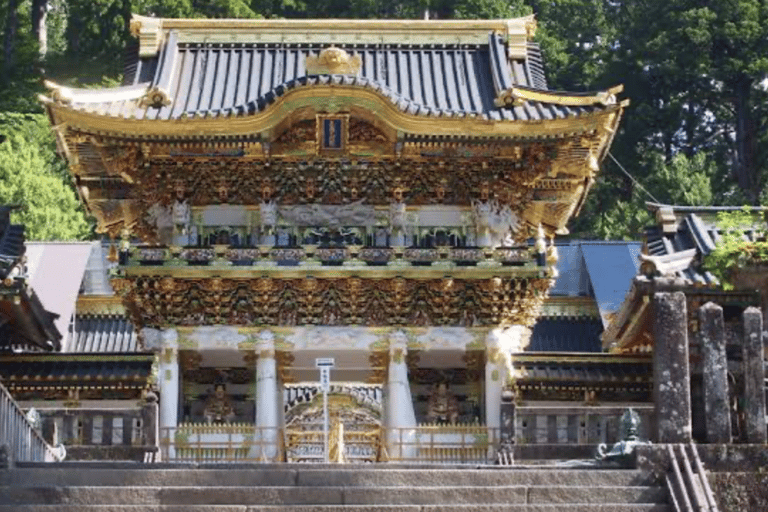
(16, 432)
(575, 425)
(221, 443)
(687, 482)
(446, 444)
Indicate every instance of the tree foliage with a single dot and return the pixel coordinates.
(734, 248)
(32, 176)
(696, 72)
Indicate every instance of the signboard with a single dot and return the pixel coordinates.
(325, 378)
(325, 362)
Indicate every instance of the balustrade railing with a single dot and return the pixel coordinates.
(313, 255)
(221, 443)
(446, 444)
(575, 424)
(23, 441)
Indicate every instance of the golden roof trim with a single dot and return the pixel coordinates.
(342, 96)
(99, 305)
(518, 95)
(333, 61)
(151, 31)
(517, 32)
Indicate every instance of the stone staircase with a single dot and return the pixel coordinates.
(120, 487)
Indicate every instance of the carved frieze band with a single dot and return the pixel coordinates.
(162, 301)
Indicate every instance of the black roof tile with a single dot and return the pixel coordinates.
(225, 79)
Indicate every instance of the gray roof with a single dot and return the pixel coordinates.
(102, 333)
(611, 267)
(566, 335)
(679, 242)
(56, 273)
(223, 79)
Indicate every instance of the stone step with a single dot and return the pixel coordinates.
(421, 495)
(609, 507)
(138, 476)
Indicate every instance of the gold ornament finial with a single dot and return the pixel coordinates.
(333, 61)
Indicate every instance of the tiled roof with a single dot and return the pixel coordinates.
(682, 238)
(67, 370)
(611, 267)
(56, 273)
(24, 322)
(574, 368)
(566, 335)
(223, 79)
(103, 333)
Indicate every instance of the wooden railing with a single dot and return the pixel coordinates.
(687, 482)
(448, 444)
(576, 425)
(24, 443)
(221, 443)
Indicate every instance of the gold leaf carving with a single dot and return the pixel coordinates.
(333, 61)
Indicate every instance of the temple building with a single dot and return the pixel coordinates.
(384, 194)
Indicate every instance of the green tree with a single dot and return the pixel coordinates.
(32, 176)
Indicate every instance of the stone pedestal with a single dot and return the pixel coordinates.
(754, 376)
(150, 420)
(507, 423)
(400, 416)
(267, 407)
(715, 374)
(671, 369)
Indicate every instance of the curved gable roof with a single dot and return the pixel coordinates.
(191, 76)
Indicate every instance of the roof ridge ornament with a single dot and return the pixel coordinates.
(155, 97)
(333, 61)
(149, 32)
(518, 32)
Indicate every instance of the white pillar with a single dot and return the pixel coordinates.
(168, 380)
(399, 413)
(267, 406)
(501, 343)
(495, 377)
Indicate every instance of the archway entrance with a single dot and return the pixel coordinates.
(355, 406)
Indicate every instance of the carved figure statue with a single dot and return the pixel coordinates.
(162, 218)
(495, 224)
(442, 406)
(181, 213)
(268, 210)
(397, 219)
(218, 407)
(352, 214)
